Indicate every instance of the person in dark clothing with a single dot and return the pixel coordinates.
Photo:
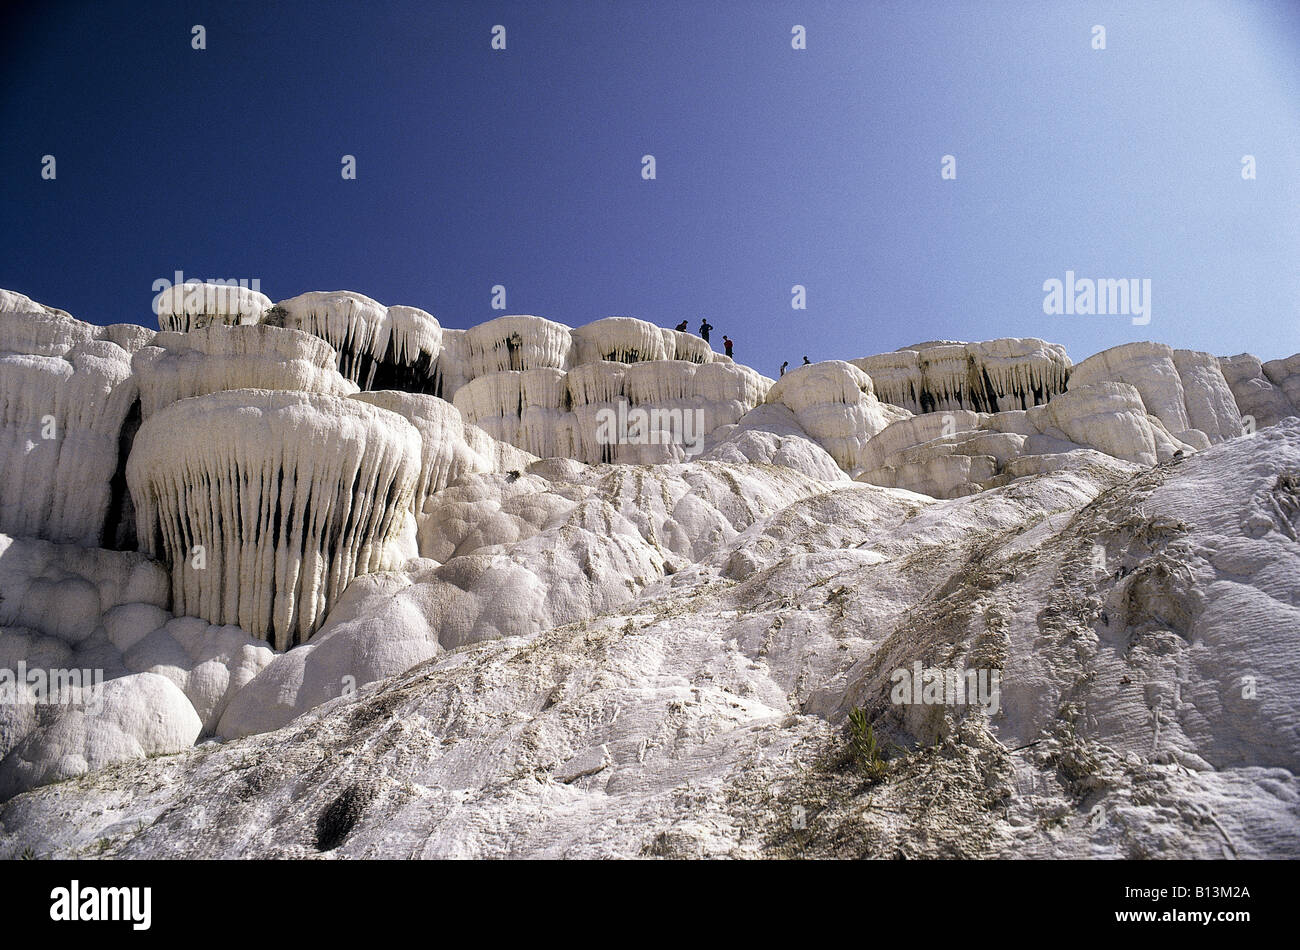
(681, 326)
(806, 361)
(705, 327)
(783, 366)
(726, 343)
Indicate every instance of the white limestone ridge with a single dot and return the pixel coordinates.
(330, 523)
(993, 376)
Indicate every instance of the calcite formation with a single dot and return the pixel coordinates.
(68, 402)
(192, 306)
(215, 358)
(451, 448)
(835, 403)
(960, 452)
(267, 503)
(583, 414)
(378, 347)
(1151, 598)
(619, 558)
(89, 619)
(1183, 389)
(1265, 393)
(993, 376)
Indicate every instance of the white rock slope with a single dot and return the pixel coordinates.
(698, 718)
(528, 590)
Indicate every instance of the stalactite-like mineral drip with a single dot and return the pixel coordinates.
(265, 504)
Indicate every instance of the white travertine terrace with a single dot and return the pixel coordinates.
(1140, 402)
(949, 454)
(216, 358)
(1285, 375)
(1267, 392)
(680, 345)
(371, 490)
(290, 495)
(550, 413)
(519, 342)
(13, 302)
(993, 376)
(1186, 390)
(620, 340)
(377, 346)
(192, 306)
(66, 391)
(451, 447)
(835, 403)
(167, 679)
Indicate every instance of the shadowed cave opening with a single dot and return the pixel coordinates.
(118, 533)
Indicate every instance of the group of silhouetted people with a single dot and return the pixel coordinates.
(727, 342)
(705, 327)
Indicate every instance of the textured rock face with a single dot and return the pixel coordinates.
(957, 453)
(835, 403)
(378, 347)
(355, 524)
(1140, 403)
(136, 716)
(510, 375)
(560, 542)
(1185, 390)
(217, 358)
(1263, 392)
(1285, 375)
(288, 496)
(994, 376)
(66, 393)
(193, 306)
(87, 618)
(515, 343)
(694, 718)
(620, 340)
(451, 449)
(616, 390)
(611, 411)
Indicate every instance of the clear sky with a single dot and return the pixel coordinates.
(774, 166)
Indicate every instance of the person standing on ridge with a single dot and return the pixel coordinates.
(783, 366)
(806, 361)
(681, 327)
(705, 327)
(726, 343)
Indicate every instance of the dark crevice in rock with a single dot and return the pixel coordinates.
(118, 533)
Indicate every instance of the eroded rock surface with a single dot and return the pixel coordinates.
(426, 606)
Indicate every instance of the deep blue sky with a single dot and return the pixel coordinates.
(775, 167)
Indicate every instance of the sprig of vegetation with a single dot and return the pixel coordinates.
(863, 749)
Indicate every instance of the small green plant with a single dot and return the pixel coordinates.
(104, 845)
(28, 854)
(863, 748)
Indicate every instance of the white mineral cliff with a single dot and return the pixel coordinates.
(993, 376)
(66, 391)
(192, 306)
(266, 503)
(530, 572)
(216, 358)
